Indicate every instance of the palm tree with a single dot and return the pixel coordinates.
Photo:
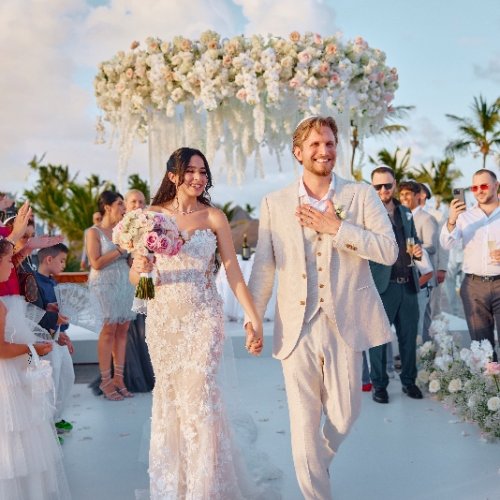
(228, 209)
(396, 113)
(398, 161)
(136, 182)
(249, 209)
(439, 176)
(63, 203)
(481, 133)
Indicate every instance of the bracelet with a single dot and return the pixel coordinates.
(119, 251)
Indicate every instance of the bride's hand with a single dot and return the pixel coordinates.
(255, 338)
(141, 264)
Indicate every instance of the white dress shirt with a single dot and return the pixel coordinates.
(320, 205)
(473, 230)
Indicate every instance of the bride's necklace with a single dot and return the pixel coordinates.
(184, 212)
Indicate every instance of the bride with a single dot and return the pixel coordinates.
(192, 455)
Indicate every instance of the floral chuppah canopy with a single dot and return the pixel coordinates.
(240, 93)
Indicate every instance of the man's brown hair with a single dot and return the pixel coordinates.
(314, 122)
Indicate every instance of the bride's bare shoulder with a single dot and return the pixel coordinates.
(159, 209)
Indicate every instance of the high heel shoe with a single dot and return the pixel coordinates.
(107, 385)
(119, 384)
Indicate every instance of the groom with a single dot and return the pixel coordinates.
(328, 310)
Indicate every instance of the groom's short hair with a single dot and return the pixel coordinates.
(314, 122)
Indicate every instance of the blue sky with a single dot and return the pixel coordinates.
(446, 53)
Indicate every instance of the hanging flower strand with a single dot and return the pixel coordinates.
(258, 87)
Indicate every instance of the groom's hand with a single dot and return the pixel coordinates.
(254, 341)
(321, 222)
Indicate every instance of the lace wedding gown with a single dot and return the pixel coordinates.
(192, 452)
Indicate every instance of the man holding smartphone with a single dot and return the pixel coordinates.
(478, 231)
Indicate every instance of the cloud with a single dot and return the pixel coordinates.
(50, 52)
(38, 96)
(491, 71)
(113, 27)
(283, 17)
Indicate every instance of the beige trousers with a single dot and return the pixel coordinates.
(323, 386)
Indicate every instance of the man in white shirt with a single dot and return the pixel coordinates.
(478, 230)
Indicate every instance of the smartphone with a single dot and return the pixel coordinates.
(459, 194)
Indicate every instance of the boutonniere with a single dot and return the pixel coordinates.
(339, 210)
(409, 215)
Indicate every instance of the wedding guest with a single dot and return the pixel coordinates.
(477, 230)
(51, 262)
(139, 375)
(428, 235)
(321, 262)
(21, 280)
(399, 286)
(11, 285)
(84, 261)
(440, 263)
(134, 199)
(17, 229)
(6, 203)
(108, 280)
(31, 460)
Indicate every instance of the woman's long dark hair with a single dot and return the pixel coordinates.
(178, 164)
(107, 198)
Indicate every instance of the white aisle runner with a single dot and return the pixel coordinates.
(407, 449)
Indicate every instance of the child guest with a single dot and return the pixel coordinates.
(30, 456)
(52, 261)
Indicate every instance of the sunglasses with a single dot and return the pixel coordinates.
(482, 187)
(387, 186)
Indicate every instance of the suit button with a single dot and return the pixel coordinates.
(320, 269)
(304, 276)
(302, 302)
(320, 238)
(322, 286)
(319, 254)
(321, 300)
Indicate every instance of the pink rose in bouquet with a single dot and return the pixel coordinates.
(143, 232)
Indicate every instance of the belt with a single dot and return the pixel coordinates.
(483, 278)
(400, 281)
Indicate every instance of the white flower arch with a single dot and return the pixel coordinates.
(240, 94)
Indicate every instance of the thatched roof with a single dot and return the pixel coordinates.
(250, 227)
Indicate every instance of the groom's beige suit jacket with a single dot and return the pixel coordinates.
(365, 234)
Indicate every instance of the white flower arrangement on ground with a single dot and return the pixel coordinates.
(246, 90)
(466, 380)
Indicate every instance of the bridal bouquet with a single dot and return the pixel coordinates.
(144, 233)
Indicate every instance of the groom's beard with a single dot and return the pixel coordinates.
(321, 170)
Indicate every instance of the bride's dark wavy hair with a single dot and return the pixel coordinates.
(178, 164)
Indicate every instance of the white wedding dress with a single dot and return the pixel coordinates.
(192, 451)
(31, 465)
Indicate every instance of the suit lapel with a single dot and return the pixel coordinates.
(342, 195)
